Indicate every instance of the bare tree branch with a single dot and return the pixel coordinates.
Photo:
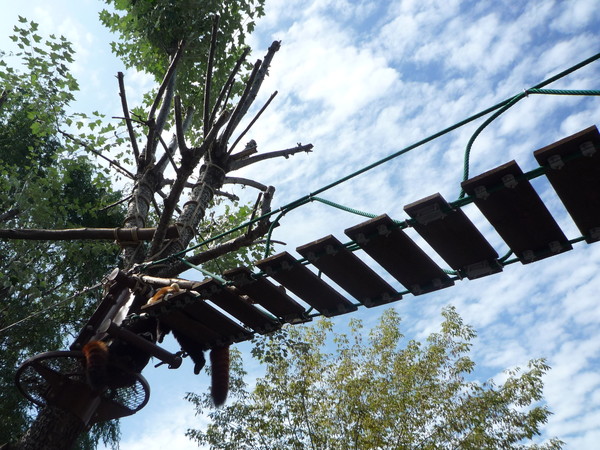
(250, 149)
(162, 162)
(231, 197)
(132, 138)
(232, 245)
(235, 165)
(113, 163)
(112, 205)
(116, 234)
(247, 239)
(167, 78)
(252, 88)
(209, 70)
(254, 119)
(245, 182)
(168, 152)
(228, 84)
(179, 127)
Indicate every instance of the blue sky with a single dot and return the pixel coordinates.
(363, 79)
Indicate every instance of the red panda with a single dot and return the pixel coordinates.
(219, 360)
(96, 361)
(163, 292)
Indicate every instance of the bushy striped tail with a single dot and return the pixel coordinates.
(219, 360)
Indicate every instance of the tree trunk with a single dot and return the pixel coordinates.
(53, 429)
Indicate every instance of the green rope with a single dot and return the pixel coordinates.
(344, 208)
(502, 106)
(489, 120)
(562, 92)
(221, 280)
(511, 103)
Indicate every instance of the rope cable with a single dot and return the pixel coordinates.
(41, 311)
(500, 108)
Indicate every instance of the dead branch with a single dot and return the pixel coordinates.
(162, 162)
(235, 165)
(179, 126)
(167, 78)
(245, 182)
(209, 70)
(235, 116)
(156, 126)
(254, 119)
(113, 163)
(112, 205)
(168, 152)
(132, 137)
(228, 84)
(249, 149)
(253, 87)
(228, 195)
(116, 234)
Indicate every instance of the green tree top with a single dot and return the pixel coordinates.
(376, 392)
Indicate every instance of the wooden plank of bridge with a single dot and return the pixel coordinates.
(214, 326)
(398, 254)
(200, 311)
(511, 205)
(204, 336)
(262, 291)
(454, 237)
(347, 270)
(226, 299)
(573, 169)
(285, 269)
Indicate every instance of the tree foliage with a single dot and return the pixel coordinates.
(376, 392)
(150, 32)
(195, 51)
(43, 185)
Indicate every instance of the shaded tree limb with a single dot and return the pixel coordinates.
(183, 149)
(245, 182)
(209, 69)
(253, 87)
(252, 122)
(237, 110)
(167, 78)
(132, 138)
(117, 234)
(228, 84)
(113, 163)
(232, 245)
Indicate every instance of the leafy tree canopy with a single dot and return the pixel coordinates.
(375, 392)
(44, 185)
(150, 32)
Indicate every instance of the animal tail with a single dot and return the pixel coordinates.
(219, 360)
(96, 362)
